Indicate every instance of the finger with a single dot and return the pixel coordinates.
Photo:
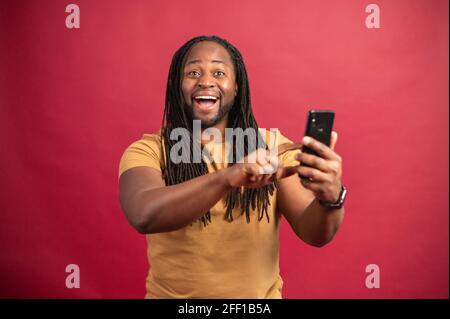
(283, 148)
(252, 171)
(313, 161)
(261, 160)
(312, 186)
(334, 138)
(266, 165)
(313, 174)
(266, 169)
(257, 178)
(273, 161)
(321, 149)
(258, 156)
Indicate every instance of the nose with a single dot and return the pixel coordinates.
(206, 81)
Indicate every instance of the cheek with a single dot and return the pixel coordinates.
(228, 88)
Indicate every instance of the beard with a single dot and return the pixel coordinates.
(221, 113)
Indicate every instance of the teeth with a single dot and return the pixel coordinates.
(206, 97)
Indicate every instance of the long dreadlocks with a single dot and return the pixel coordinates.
(240, 116)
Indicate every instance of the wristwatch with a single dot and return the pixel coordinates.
(340, 201)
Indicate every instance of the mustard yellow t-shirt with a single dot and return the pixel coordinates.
(222, 260)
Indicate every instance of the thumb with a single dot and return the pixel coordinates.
(334, 138)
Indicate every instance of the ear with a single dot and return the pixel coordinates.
(235, 89)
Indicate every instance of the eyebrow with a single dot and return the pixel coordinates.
(198, 61)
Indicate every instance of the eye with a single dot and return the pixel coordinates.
(193, 73)
(219, 73)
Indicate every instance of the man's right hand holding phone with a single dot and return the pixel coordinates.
(321, 174)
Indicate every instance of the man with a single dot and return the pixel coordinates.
(212, 226)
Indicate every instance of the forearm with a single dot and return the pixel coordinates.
(317, 225)
(173, 207)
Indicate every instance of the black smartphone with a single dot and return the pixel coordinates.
(319, 126)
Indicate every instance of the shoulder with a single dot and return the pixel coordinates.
(145, 151)
(148, 142)
(151, 139)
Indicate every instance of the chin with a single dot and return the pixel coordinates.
(207, 121)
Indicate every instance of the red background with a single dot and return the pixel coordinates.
(73, 100)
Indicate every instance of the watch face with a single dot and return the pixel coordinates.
(343, 194)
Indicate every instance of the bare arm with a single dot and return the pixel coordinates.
(299, 199)
(311, 222)
(151, 207)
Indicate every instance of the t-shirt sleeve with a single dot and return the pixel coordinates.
(144, 152)
(288, 158)
(274, 137)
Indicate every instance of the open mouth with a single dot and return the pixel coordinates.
(205, 102)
